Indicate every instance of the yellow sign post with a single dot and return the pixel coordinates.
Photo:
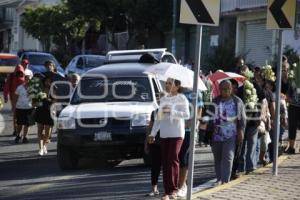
(204, 12)
(198, 12)
(281, 14)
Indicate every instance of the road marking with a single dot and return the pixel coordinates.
(243, 178)
(37, 187)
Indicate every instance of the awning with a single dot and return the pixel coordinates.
(15, 3)
(9, 3)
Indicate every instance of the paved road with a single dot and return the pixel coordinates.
(25, 175)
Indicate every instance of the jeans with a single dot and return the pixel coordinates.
(258, 144)
(223, 156)
(248, 160)
(281, 132)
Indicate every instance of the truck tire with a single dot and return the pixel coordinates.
(66, 158)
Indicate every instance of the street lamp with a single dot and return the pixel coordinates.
(86, 27)
(174, 28)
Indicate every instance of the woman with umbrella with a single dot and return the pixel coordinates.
(172, 113)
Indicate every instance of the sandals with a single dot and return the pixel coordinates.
(167, 197)
(265, 163)
(173, 196)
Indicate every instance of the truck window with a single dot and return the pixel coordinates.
(169, 59)
(156, 90)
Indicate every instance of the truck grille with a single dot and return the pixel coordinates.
(104, 122)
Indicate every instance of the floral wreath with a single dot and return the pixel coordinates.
(250, 95)
(35, 91)
(267, 73)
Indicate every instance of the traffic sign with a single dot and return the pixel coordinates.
(204, 12)
(281, 14)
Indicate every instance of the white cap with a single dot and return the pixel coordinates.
(28, 72)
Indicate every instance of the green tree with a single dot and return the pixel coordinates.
(222, 57)
(57, 25)
(291, 54)
(36, 23)
(138, 17)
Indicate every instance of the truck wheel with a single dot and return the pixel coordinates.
(66, 158)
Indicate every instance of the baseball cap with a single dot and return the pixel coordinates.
(25, 61)
(28, 72)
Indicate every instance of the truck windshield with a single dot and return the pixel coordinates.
(41, 59)
(92, 62)
(113, 90)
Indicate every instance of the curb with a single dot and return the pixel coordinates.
(237, 181)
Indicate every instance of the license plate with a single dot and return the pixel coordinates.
(102, 136)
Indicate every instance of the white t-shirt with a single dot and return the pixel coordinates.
(172, 125)
(28, 72)
(24, 102)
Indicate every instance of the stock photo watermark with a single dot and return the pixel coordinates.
(107, 90)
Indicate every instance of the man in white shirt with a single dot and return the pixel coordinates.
(23, 109)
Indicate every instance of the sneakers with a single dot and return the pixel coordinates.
(217, 183)
(153, 193)
(250, 171)
(25, 140)
(290, 150)
(17, 139)
(182, 192)
(235, 175)
(45, 149)
(265, 163)
(41, 152)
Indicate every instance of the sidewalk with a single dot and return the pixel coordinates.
(261, 184)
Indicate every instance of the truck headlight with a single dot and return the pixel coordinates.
(66, 123)
(140, 120)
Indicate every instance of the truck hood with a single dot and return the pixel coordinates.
(102, 110)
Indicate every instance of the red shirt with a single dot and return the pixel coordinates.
(13, 81)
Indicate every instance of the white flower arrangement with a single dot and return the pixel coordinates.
(291, 74)
(1, 103)
(268, 73)
(207, 95)
(248, 74)
(35, 91)
(250, 95)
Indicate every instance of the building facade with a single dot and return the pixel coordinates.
(12, 36)
(242, 30)
(243, 26)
